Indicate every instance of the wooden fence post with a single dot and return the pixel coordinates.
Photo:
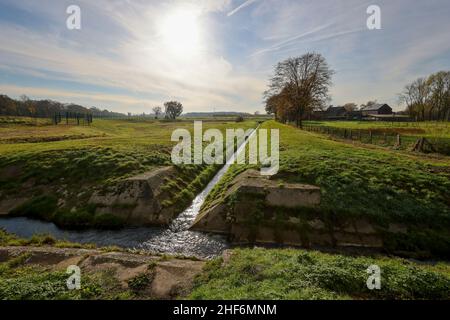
(398, 143)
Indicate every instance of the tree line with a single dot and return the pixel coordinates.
(25, 107)
(428, 98)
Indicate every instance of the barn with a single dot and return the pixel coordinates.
(376, 109)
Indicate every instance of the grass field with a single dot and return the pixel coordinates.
(380, 185)
(297, 274)
(419, 129)
(48, 162)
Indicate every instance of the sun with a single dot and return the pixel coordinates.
(180, 32)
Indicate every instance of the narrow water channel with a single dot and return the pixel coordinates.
(176, 239)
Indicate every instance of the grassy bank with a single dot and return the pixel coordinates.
(57, 168)
(240, 274)
(375, 184)
(297, 274)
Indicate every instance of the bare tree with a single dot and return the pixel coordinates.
(157, 111)
(349, 107)
(415, 96)
(439, 86)
(173, 109)
(368, 104)
(304, 81)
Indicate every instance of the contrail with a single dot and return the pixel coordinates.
(242, 6)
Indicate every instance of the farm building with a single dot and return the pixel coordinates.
(340, 113)
(335, 113)
(376, 109)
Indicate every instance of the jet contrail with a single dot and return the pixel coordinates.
(242, 6)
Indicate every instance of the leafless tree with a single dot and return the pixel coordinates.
(415, 96)
(157, 111)
(349, 107)
(439, 86)
(304, 81)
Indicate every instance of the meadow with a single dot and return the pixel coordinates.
(431, 129)
(358, 181)
(375, 183)
(46, 163)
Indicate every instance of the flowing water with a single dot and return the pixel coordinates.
(176, 239)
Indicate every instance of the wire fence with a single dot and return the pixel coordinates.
(389, 138)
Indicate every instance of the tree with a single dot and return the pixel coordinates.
(439, 99)
(349, 107)
(173, 109)
(157, 111)
(415, 96)
(368, 104)
(303, 83)
(46, 108)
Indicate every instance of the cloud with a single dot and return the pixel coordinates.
(121, 52)
(139, 63)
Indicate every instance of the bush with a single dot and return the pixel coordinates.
(140, 282)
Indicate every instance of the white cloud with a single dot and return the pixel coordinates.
(140, 62)
(121, 48)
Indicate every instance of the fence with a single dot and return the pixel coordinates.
(387, 139)
(72, 118)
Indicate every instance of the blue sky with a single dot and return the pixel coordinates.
(131, 55)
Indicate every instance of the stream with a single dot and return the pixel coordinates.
(176, 239)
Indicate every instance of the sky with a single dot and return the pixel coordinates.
(132, 55)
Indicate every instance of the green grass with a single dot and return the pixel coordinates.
(49, 163)
(297, 274)
(385, 133)
(38, 240)
(418, 129)
(375, 184)
(20, 282)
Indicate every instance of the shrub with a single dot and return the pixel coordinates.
(140, 282)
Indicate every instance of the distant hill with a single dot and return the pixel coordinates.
(47, 108)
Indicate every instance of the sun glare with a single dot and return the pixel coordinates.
(180, 32)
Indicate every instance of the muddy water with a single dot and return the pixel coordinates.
(176, 239)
